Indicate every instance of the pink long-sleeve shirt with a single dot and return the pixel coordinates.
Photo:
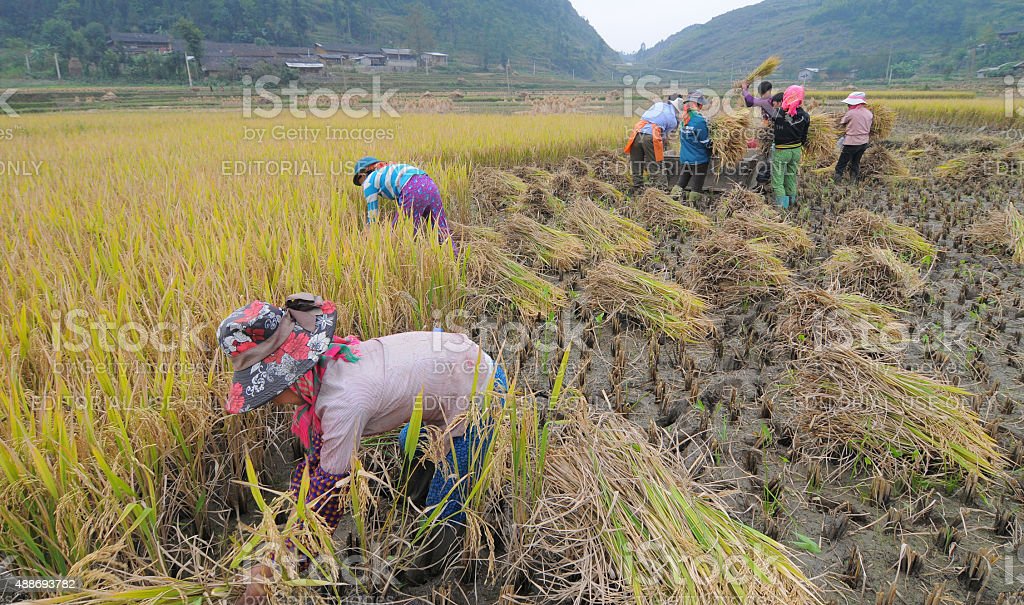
(858, 125)
(377, 394)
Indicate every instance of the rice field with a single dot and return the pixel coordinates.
(723, 402)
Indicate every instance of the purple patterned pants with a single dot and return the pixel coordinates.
(422, 201)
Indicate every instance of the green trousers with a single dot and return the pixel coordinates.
(785, 169)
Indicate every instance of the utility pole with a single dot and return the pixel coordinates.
(57, 63)
(888, 68)
(28, 66)
(189, 69)
(508, 76)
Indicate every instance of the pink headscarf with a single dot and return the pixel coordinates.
(793, 99)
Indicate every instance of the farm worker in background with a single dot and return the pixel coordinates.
(415, 192)
(694, 148)
(646, 145)
(342, 389)
(763, 100)
(858, 120)
(790, 126)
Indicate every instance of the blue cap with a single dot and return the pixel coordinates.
(362, 165)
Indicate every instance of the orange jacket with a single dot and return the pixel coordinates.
(659, 142)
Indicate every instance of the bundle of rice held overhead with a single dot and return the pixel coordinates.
(874, 272)
(496, 276)
(617, 521)
(660, 305)
(814, 320)
(821, 148)
(729, 136)
(730, 269)
(606, 233)
(786, 239)
(880, 418)
(1003, 229)
(861, 227)
(546, 245)
(656, 209)
(884, 122)
(765, 69)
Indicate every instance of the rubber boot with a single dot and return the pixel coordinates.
(676, 193)
(693, 197)
(783, 202)
(440, 554)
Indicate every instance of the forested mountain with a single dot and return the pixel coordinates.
(485, 32)
(930, 36)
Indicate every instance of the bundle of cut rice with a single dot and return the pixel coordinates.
(785, 239)
(875, 272)
(729, 136)
(546, 245)
(740, 199)
(1002, 229)
(884, 122)
(606, 233)
(814, 320)
(728, 269)
(861, 226)
(821, 148)
(656, 209)
(879, 162)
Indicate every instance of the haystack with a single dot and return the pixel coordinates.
(870, 416)
(544, 245)
(884, 122)
(821, 148)
(816, 320)
(1002, 229)
(862, 227)
(879, 162)
(495, 276)
(785, 239)
(606, 233)
(657, 210)
(740, 199)
(729, 135)
(616, 520)
(661, 305)
(874, 272)
(728, 269)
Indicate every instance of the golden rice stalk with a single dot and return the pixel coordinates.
(821, 148)
(740, 199)
(880, 418)
(546, 245)
(725, 267)
(729, 135)
(1003, 229)
(495, 276)
(862, 227)
(813, 319)
(786, 239)
(606, 233)
(884, 122)
(659, 304)
(765, 69)
(539, 202)
(618, 521)
(656, 209)
(969, 166)
(562, 185)
(874, 272)
(880, 162)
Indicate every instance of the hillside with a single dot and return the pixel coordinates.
(924, 36)
(481, 32)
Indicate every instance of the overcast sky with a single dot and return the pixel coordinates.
(625, 25)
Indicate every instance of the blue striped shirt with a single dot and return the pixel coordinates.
(388, 182)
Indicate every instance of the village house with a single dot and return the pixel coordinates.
(140, 44)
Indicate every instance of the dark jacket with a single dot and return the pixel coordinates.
(791, 131)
